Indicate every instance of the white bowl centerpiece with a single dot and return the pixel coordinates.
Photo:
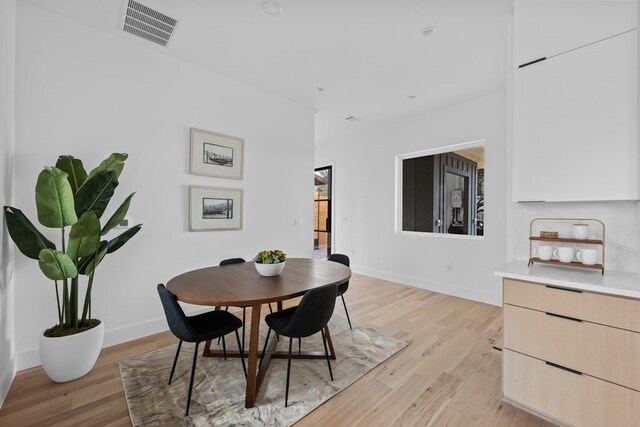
(270, 263)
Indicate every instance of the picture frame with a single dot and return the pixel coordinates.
(215, 154)
(215, 208)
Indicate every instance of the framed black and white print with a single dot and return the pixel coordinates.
(214, 154)
(214, 208)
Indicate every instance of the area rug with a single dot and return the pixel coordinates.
(219, 385)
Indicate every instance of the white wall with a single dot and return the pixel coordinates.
(364, 203)
(364, 200)
(7, 148)
(86, 93)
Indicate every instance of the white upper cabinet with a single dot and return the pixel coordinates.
(545, 28)
(575, 124)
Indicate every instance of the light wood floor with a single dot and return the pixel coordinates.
(448, 375)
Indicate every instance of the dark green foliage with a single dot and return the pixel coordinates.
(26, 236)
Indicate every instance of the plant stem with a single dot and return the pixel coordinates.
(74, 301)
(87, 300)
(66, 306)
(58, 305)
(65, 303)
(63, 242)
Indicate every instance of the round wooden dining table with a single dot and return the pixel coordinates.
(240, 285)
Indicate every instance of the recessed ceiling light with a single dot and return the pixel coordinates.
(412, 97)
(320, 89)
(273, 8)
(429, 31)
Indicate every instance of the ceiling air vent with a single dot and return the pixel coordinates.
(142, 21)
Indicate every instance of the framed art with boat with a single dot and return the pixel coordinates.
(215, 208)
(215, 154)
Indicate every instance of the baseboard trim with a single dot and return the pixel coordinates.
(31, 358)
(6, 382)
(444, 288)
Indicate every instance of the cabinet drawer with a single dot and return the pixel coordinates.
(574, 399)
(601, 351)
(608, 310)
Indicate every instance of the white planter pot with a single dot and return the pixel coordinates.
(71, 357)
(269, 270)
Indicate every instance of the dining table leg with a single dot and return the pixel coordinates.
(254, 335)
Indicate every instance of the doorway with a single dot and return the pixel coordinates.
(322, 208)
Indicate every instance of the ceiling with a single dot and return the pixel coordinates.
(369, 56)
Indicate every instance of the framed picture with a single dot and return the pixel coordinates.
(214, 154)
(213, 208)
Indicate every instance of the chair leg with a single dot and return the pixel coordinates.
(193, 371)
(264, 349)
(286, 393)
(346, 311)
(244, 368)
(326, 352)
(299, 345)
(225, 309)
(271, 311)
(224, 348)
(173, 368)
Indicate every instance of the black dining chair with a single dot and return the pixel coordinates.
(308, 318)
(196, 329)
(344, 260)
(230, 261)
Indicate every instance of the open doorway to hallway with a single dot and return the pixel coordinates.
(322, 207)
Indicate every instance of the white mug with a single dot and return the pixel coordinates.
(580, 231)
(564, 253)
(544, 252)
(588, 256)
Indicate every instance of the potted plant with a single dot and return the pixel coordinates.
(67, 197)
(270, 263)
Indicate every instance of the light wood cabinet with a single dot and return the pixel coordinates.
(566, 397)
(623, 313)
(571, 356)
(545, 28)
(598, 350)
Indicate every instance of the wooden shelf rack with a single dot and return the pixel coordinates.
(599, 242)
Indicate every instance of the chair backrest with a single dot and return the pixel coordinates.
(232, 261)
(176, 318)
(314, 312)
(342, 259)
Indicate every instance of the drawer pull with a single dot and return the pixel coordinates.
(535, 61)
(573, 371)
(563, 317)
(564, 289)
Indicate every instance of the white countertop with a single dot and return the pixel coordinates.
(611, 282)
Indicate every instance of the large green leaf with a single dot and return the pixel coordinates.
(57, 265)
(119, 241)
(25, 235)
(84, 262)
(74, 169)
(115, 163)
(95, 194)
(118, 216)
(84, 236)
(54, 199)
